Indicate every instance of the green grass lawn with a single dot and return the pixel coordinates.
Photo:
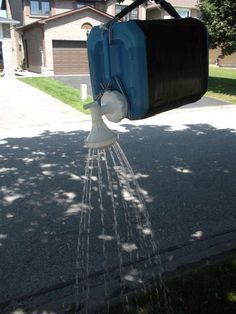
(59, 90)
(222, 84)
(205, 290)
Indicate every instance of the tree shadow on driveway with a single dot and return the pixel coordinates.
(189, 176)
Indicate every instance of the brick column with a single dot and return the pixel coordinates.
(8, 58)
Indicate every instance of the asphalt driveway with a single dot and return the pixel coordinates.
(75, 81)
(185, 163)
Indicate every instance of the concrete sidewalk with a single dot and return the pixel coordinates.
(24, 106)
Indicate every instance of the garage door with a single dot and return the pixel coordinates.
(70, 57)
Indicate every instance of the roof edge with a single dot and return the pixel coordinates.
(4, 20)
(53, 17)
(61, 15)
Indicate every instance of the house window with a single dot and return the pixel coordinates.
(183, 12)
(87, 26)
(81, 4)
(133, 15)
(40, 7)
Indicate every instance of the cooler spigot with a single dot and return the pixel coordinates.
(114, 106)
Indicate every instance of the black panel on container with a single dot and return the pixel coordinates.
(177, 56)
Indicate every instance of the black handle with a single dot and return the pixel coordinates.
(168, 8)
(165, 5)
(129, 8)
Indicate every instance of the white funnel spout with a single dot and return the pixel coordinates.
(114, 106)
(100, 135)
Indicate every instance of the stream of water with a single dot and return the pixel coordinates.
(117, 254)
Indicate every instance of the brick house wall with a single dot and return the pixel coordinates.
(54, 30)
(57, 7)
(8, 57)
(227, 61)
(14, 11)
(68, 28)
(61, 6)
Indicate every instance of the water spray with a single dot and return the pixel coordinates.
(114, 107)
(138, 69)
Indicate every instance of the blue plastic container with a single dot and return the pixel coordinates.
(158, 65)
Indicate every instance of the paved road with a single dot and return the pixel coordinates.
(185, 162)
